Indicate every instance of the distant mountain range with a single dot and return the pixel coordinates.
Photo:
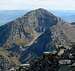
(9, 15)
(27, 37)
(67, 15)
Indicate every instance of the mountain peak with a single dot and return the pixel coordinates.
(42, 17)
(37, 31)
(40, 11)
(27, 28)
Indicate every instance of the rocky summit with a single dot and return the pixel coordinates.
(26, 33)
(38, 31)
(24, 30)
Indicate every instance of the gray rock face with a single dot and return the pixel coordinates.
(25, 29)
(35, 32)
(28, 31)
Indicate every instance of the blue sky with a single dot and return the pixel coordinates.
(33, 4)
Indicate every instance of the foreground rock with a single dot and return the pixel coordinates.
(51, 61)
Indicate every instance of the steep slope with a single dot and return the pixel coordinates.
(63, 34)
(25, 29)
(41, 44)
(4, 33)
(37, 31)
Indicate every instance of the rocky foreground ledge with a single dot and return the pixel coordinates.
(53, 61)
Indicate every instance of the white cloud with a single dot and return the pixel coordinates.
(32, 4)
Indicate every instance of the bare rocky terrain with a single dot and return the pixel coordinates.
(38, 31)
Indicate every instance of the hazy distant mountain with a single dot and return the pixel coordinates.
(67, 15)
(9, 15)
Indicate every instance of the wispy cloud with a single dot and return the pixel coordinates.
(32, 4)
